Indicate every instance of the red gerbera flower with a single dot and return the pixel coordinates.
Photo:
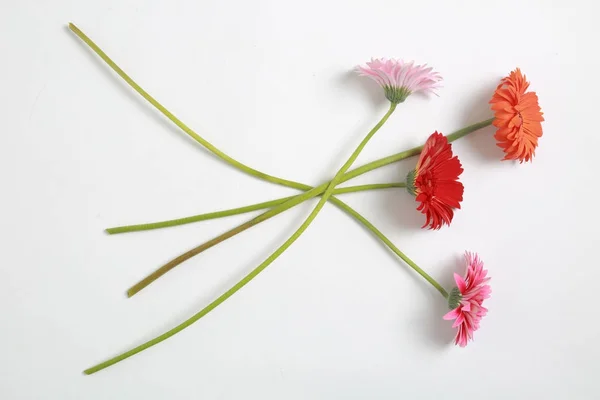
(435, 183)
(518, 117)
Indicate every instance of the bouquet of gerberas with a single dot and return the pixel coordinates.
(434, 182)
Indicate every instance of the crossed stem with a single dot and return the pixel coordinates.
(285, 203)
(326, 190)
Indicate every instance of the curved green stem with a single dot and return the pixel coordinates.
(389, 243)
(241, 210)
(177, 121)
(262, 266)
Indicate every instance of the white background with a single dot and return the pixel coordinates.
(271, 83)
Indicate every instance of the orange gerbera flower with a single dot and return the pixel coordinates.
(518, 117)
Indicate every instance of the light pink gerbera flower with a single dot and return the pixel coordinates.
(399, 79)
(466, 299)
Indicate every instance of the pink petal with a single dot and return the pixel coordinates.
(451, 315)
(460, 282)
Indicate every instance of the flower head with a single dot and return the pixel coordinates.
(399, 79)
(435, 183)
(518, 117)
(466, 299)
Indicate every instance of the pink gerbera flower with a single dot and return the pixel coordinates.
(466, 299)
(399, 79)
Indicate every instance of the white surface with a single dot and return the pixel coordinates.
(270, 83)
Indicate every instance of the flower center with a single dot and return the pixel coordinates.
(426, 181)
(422, 182)
(517, 120)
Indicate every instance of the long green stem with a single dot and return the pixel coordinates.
(177, 121)
(241, 210)
(262, 266)
(389, 243)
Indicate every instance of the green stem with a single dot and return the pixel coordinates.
(176, 120)
(389, 243)
(240, 210)
(371, 186)
(258, 269)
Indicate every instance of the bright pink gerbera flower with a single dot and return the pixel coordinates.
(466, 299)
(399, 79)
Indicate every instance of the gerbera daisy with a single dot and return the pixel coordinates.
(518, 117)
(435, 183)
(466, 299)
(400, 79)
